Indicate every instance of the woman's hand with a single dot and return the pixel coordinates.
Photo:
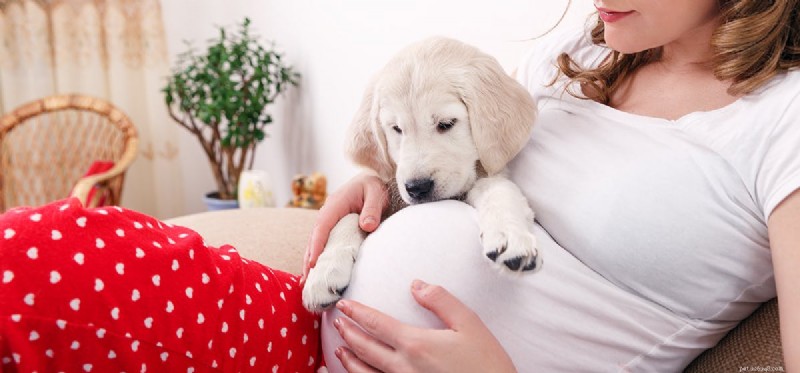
(389, 345)
(364, 194)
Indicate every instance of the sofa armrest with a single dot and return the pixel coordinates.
(276, 237)
(754, 344)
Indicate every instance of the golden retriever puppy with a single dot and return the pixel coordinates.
(439, 121)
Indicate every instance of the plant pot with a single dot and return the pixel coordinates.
(213, 203)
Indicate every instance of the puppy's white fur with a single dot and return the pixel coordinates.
(443, 111)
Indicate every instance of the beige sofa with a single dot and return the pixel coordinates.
(278, 237)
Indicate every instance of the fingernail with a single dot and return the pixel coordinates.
(338, 323)
(343, 306)
(339, 352)
(369, 220)
(418, 284)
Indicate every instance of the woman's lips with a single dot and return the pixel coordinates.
(609, 16)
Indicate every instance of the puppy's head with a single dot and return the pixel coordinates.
(439, 115)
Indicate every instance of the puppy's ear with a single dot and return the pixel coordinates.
(366, 140)
(501, 112)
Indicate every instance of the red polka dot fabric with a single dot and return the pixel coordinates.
(109, 289)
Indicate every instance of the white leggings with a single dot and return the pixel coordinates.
(564, 317)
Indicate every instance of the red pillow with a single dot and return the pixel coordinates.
(98, 167)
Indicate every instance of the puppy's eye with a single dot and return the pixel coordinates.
(445, 125)
(397, 129)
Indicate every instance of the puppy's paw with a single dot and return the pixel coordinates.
(512, 248)
(327, 281)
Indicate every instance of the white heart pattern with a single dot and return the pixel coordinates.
(75, 304)
(8, 233)
(81, 221)
(37, 217)
(33, 253)
(78, 258)
(55, 235)
(55, 277)
(7, 276)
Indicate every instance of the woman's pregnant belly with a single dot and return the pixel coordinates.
(564, 317)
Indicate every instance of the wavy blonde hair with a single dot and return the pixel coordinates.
(756, 40)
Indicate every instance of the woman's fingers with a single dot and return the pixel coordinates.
(376, 199)
(444, 305)
(330, 214)
(352, 363)
(380, 325)
(364, 346)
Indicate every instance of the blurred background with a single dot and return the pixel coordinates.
(123, 50)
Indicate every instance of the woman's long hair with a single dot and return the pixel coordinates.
(756, 40)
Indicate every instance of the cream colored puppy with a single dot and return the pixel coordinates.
(440, 121)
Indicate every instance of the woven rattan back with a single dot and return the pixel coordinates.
(47, 145)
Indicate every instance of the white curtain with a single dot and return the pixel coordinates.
(112, 49)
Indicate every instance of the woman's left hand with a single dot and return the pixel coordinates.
(389, 345)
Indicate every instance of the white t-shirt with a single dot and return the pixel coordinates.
(653, 232)
(674, 211)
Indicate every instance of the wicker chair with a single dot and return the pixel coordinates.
(46, 146)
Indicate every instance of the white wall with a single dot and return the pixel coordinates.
(337, 46)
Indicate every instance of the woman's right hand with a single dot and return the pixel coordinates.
(365, 195)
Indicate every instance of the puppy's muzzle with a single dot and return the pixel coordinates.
(419, 189)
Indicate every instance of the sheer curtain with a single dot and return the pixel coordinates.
(112, 49)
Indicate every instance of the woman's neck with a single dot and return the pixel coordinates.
(682, 81)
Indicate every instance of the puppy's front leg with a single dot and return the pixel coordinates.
(505, 219)
(328, 280)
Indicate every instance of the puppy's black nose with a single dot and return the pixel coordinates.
(419, 189)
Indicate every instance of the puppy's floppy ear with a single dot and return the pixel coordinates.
(501, 111)
(366, 140)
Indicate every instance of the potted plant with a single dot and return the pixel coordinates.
(221, 96)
